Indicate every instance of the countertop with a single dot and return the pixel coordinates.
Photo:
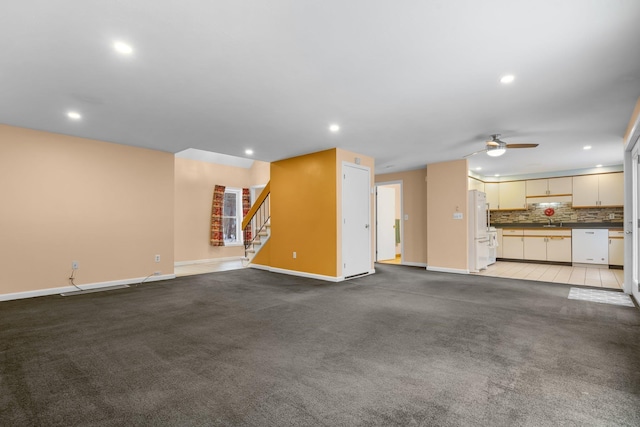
(565, 225)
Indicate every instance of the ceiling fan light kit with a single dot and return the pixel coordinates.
(496, 150)
(497, 147)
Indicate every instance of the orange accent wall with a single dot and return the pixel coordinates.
(64, 199)
(303, 214)
(414, 198)
(447, 245)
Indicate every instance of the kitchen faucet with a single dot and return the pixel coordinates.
(549, 220)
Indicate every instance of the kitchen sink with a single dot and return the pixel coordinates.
(550, 225)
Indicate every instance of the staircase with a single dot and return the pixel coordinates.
(256, 226)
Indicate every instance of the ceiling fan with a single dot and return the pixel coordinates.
(497, 147)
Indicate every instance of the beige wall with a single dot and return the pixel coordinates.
(194, 183)
(414, 199)
(447, 193)
(64, 199)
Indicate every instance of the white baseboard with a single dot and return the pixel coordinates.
(206, 261)
(447, 270)
(308, 275)
(415, 264)
(260, 267)
(88, 286)
(297, 273)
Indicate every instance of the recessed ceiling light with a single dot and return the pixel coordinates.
(74, 115)
(248, 151)
(598, 166)
(334, 128)
(509, 78)
(123, 48)
(586, 147)
(478, 168)
(497, 174)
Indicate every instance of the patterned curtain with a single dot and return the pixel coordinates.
(217, 236)
(246, 205)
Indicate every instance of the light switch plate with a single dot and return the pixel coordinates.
(457, 215)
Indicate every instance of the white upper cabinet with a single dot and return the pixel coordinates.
(598, 190)
(506, 195)
(549, 187)
(493, 194)
(611, 189)
(476, 184)
(537, 187)
(513, 195)
(560, 186)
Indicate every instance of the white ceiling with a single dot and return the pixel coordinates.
(409, 82)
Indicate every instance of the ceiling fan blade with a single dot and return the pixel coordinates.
(474, 153)
(522, 145)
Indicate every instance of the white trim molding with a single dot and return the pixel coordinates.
(297, 273)
(309, 275)
(448, 270)
(88, 286)
(414, 264)
(207, 261)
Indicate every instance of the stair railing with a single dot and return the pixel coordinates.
(256, 219)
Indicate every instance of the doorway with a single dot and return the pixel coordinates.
(389, 230)
(356, 220)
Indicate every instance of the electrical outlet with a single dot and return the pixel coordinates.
(295, 255)
(612, 216)
(75, 265)
(157, 273)
(157, 258)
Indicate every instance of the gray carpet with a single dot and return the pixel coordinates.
(402, 347)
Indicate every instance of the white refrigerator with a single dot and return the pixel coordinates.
(478, 232)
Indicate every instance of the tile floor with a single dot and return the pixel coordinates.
(598, 277)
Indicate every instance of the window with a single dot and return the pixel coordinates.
(232, 216)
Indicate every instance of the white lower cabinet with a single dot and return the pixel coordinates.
(512, 244)
(535, 248)
(559, 248)
(616, 247)
(547, 245)
(499, 248)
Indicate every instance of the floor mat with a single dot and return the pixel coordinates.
(605, 297)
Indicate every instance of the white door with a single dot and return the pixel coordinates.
(356, 220)
(386, 223)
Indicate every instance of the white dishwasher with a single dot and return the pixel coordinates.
(590, 246)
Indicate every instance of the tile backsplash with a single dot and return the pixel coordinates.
(563, 212)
